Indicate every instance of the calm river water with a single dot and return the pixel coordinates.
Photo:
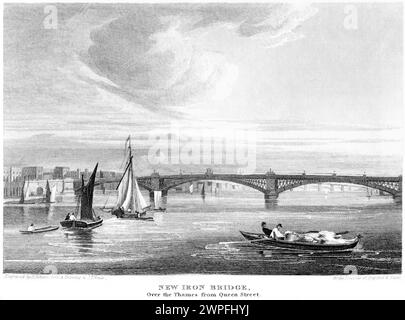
(196, 236)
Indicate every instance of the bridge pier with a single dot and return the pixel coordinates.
(270, 200)
(164, 198)
(152, 199)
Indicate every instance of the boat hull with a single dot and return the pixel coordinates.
(134, 217)
(81, 224)
(295, 245)
(40, 230)
(129, 216)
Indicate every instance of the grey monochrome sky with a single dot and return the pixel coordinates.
(320, 96)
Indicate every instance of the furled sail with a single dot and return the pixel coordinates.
(86, 206)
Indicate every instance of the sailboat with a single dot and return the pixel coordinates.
(130, 202)
(84, 217)
(26, 197)
(50, 194)
(47, 193)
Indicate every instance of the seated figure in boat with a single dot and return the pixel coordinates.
(31, 227)
(266, 230)
(118, 212)
(72, 217)
(277, 234)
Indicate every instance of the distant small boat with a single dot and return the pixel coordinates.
(50, 194)
(261, 239)
(40, 230)
(85, 212)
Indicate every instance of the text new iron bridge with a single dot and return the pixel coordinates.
(270, 183)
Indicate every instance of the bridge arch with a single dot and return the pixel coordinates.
(236, 181)
(378, 186)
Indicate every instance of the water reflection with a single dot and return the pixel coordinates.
(270, 204)
(50, 210)
(25, 215)
(81, 239)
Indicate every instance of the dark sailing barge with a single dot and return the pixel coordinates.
(84, 217)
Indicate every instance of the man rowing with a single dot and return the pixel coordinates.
(266, 230)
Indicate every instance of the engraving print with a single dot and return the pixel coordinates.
(202, 138)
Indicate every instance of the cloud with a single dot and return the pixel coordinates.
(149, 55)
(277, 22)
(154, 63)
(137, 56)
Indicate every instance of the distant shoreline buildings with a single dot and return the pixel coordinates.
(14, 177)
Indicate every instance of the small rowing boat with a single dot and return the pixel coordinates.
(261, 239)
(40, 230)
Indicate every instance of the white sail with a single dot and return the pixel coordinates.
(128, 196)
(157, 196)
(140, 200)
(27, 191)
(53, 194)
(191, 188)
(122, 190)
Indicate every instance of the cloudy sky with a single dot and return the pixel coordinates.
(317, 95)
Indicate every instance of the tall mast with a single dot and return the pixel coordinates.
(131, 172)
